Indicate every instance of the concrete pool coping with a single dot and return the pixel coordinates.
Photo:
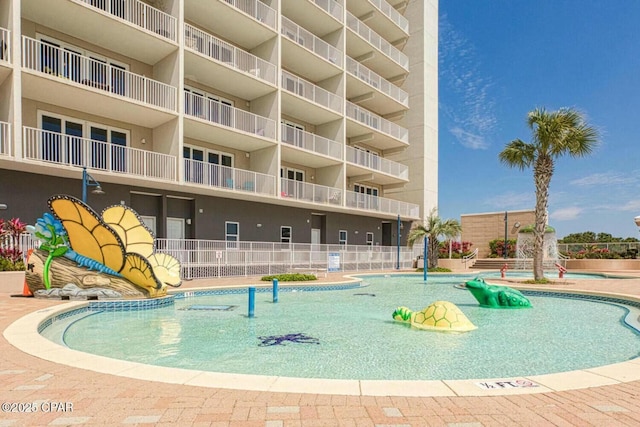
(23, 334)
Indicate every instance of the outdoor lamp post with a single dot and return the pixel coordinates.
(505, 249)
(89, 181)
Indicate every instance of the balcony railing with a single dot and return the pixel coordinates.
(378, 42)
(304, 38)
(309, 91)
(54, 147)
(332, 7)
(225, 115)
(5, 139)
(228, 54)
(5, 45)
(140, 14)
(372, 161)
(311, 142)
(391, 13)
(380, 204)
(212, 175)
(310, 192)
(376, 122)
(376, 81)
(257, 10)
(67, 65)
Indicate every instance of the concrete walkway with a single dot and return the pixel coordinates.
(63, 395)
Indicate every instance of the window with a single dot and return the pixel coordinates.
(293, 133)
(208, 107)
(293, 184)
(232, 234)
(285, 234)
(208, 171)
(369, 238)
(342, 237)
(367, 197)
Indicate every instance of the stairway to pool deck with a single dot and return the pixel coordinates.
(494, 263)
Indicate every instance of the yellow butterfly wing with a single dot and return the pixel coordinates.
(138, 271)
(134, 234)
(87, 233)
(166, 269)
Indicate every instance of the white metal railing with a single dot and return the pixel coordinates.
(54, 147)
(5, 45)
(308, 192)
(391, 13)
(376, 122)
(140, 14)
(376, 81)
(378, 42)
(332, 7)
(67, 65)
(313, 93)
(304, 38)
(468, 258)
(310, 141)
(228, 54)
(380, 204)
(212, 175)
(223, 114)
(257, 10)
(201, 259)
(5, 139)
(375, 162)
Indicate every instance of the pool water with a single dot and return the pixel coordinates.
(357, 337)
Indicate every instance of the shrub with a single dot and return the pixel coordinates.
(458, 249)
(497, 248)
(10, 252)
(290, 277)
(436, 270)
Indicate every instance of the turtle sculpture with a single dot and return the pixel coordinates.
(493, 296)
(441, 316)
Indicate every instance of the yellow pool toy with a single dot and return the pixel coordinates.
(442, 316)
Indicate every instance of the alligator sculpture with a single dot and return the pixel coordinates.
(494, 296)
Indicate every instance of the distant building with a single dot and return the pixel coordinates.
(481, 228)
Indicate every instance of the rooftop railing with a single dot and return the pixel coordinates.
(313, 93)
(332, 7)
(375, 162)
(54, 147)
(380, 204)
(257, 10)
(315, 44)
(219, 176)
(310, 141)
(5, 45)
(5, 139)
(378, 42)
(308, 192)
(67, 65)
(391, 13)
(376, 122)
(228, 54)
(140, 14)
(226, 115)
(375, 80)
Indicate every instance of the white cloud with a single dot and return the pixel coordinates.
(631, 205)
(566, 214)
(469, 140)
(512, 201)
(607, 178)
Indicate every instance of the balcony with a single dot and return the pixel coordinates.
(309, 149)
(5, 54)
(6, 143)
(381, 17)
(373, 91)
(247, 23)
(385, 170)
(224, 177)
(321, 17)
(52, 147)
(308, 55)
(386, 60)
(67, 79)
(313, 193)
(211, 61)
(298, 95)
(135, 29)
(378, 133)
(232, 127)
(380, 204)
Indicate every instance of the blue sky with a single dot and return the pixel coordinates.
(500, 59)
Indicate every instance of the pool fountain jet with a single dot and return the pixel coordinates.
(524, 248)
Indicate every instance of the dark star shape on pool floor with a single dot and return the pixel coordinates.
(281, 339)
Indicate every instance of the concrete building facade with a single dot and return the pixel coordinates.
(481, 228)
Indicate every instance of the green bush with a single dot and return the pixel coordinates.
(290, 277)
(8, 265)
(436, 270)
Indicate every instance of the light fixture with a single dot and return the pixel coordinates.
(143, 141)
(3, 206)
(89, 181)
(188, 221)
(258, 225)
(517, 224)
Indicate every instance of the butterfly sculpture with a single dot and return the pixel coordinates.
(117, 243)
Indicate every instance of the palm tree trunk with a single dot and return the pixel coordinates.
(433, 252)
(542, 173)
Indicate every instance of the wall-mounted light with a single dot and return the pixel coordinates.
(200, 210)
(517, 224)
(3, 206)
(143, 141)
(258, 225)
(188, 221)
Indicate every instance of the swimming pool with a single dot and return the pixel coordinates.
(357, 339)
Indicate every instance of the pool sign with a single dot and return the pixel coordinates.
(495, 385)
(333, 263)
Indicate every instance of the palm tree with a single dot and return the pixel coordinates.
(432, 228)
(554, 134)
